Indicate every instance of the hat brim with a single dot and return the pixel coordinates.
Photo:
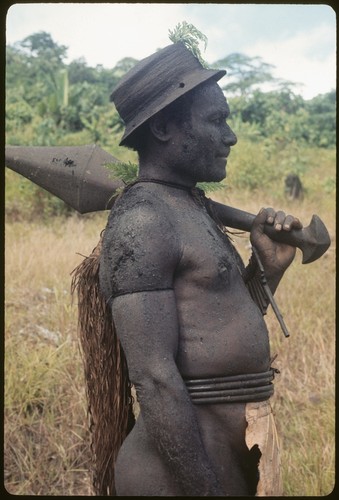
(191, 81)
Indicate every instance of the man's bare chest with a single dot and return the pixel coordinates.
(208, 257)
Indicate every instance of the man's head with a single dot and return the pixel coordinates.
(189, 135)
(196, 143)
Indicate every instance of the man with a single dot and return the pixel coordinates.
(195, 341)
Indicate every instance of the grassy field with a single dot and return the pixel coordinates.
(46, 437)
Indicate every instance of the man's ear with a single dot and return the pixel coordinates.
(159, 127)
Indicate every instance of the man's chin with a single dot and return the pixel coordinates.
(217, 177)
(212, 175)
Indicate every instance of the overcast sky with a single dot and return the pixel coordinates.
(299, 40)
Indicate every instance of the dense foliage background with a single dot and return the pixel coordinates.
(51, 102)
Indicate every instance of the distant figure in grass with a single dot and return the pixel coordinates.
(293, 187)
(186, 310)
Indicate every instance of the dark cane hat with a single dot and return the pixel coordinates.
(157, 81)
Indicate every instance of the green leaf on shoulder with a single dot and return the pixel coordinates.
(128, 172)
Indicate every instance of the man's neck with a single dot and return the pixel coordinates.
(164, 175)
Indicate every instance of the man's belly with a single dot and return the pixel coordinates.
(225, 335)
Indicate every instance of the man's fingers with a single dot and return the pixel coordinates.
(278, 219)
(270, 214)
(291, 223)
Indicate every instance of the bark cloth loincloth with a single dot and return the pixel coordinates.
(261, 431)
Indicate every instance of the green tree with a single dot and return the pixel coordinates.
(124, 65)
(39, 62)
(285, 116)
(244, 72)
(45, 59)
(79, 72)
(42, 45)
(257, 107)
(247, 74)
(322, 119)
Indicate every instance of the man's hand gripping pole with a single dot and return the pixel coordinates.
(312, 240)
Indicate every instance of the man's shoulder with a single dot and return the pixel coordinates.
(141, 247)
(140, 198)
(141, 207)
(141, 216)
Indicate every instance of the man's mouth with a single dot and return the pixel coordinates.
(223, 156)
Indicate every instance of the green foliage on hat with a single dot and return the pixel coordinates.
(191, 37)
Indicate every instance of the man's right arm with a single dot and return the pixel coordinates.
(149, 338)
(145, 317)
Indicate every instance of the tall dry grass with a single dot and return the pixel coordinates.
(46, 437)
(304, 401)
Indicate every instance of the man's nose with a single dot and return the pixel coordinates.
(230, 139)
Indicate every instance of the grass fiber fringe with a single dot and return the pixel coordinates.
(108, 387)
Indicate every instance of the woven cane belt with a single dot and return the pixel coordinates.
(236, 388)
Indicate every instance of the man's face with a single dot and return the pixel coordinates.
(203, 142)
